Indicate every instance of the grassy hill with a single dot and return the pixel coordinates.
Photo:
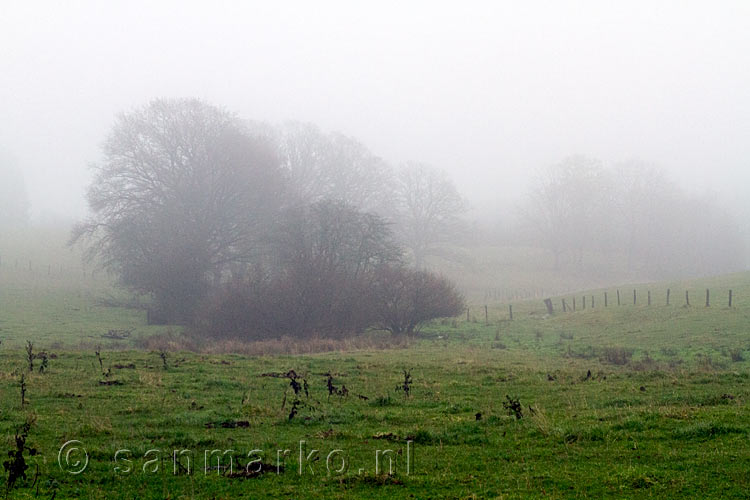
(632, 401)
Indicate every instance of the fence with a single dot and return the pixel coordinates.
(29, 270)
(603, 299)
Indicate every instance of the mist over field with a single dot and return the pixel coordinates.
(493, 95)
(502, 247)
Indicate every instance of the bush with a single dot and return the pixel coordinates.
(398, 300)
(736, 355)
(260, 307)
(617, 355)
(404, 299)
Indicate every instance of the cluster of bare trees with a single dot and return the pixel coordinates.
(420, 201)
(336, 271)
(633, 213)
(271, 230)
(250, 231)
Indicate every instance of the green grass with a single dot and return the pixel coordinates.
(662, 414)
(65, 310)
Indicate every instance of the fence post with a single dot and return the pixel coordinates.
(584, 302)
(668, 290)
(633, 297)
(510, 311)
(649, 297)
(565, 307)
(467, 314)
(618, 297)
(574, 303)
(486, 316)
(550, 309)
(687, 298)
(605, 299)
(730, 298)
(592, 302)
(708, 302)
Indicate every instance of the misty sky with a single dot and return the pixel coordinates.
(485, 90)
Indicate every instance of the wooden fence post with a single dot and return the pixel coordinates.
(510, 311)
(687, 298)
(574, 304)
(584, 302)
(565, 306)
(605, 299)
(668, 290)
(708, 301)
(633, 297)
(592, 302)
(730, 298)
(618, 297)
(649, 297)
(550, 309)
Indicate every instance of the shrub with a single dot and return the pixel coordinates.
(617, 355)
(263, 307)
(737, 355)
(404, 299)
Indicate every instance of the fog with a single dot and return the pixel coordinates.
(348, 225)
(489, 97)
(487, 91)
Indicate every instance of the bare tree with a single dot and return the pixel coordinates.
(328, 252)
(567, 206)
(183, 193)
(333, 167)
(643, 192)
(321, 284)
(632, 214)
(429, 209)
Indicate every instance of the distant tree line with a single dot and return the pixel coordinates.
(244, 229)
(633, 213)
(248, 231)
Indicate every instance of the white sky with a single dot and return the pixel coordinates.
(485, 90)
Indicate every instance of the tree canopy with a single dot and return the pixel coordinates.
(184, 193)
(629, 212)
(429, 210)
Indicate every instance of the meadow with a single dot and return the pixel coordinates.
(634, 401)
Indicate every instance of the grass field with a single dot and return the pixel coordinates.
(626, 402)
